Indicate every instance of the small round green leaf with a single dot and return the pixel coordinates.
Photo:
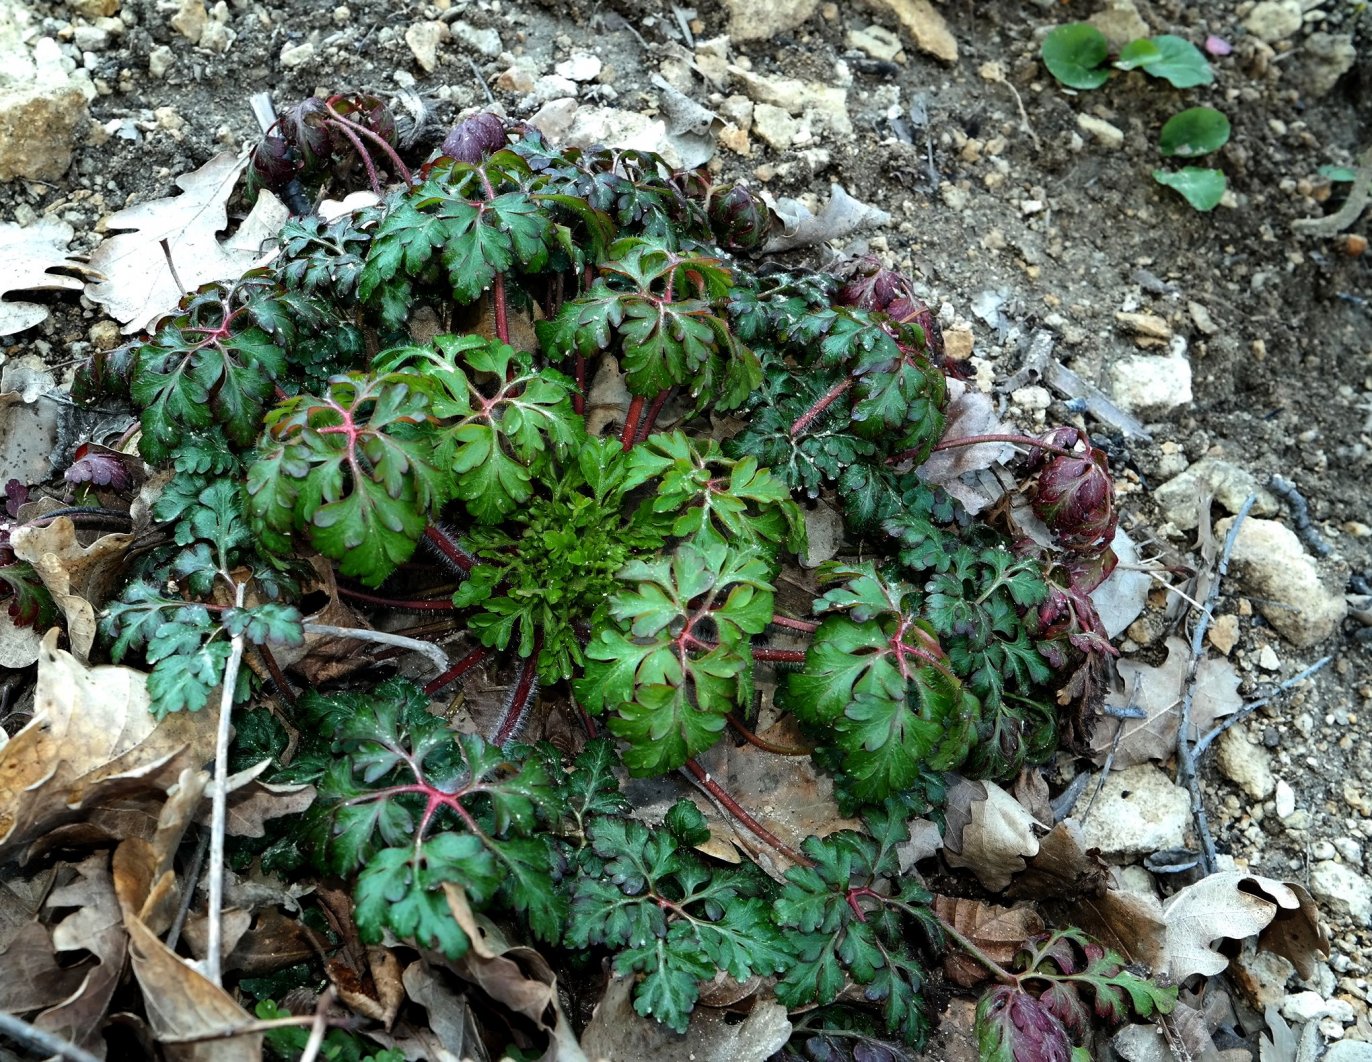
(1073, 54)
(1138, 53)
(1195, 131)
(1200, 187)
(1178, 61)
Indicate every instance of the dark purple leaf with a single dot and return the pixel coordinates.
(306, 125)
(102, 467)
(1013, 1026)
(472, 139)
(1064, 1002)
(1074, 495)
(16, 494)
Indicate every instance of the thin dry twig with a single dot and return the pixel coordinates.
(1186, 753)
(1208, 738)
(319, 1028)
(433, 652)
(42, 1041)
(219, 814)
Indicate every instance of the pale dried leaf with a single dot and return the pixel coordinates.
(179, 1000)
(998, 931)
(1065, 870)
(998, 836)
(519, 978)
(968, 413)
(841, 216)
(251, 802)
(1154, 737)
(1122, 597)
(138, 285)
(31, 253)
(96, 927)
(1231, 905)
(92, 734)
(617, 1031)
(80, 578)
(450, 1019)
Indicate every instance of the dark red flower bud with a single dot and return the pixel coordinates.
(871, 286)
(306, 125)
(739, 219)
(1076, 499)
(272, 164)
(472, 139)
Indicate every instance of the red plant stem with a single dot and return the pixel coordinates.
(346, 128)
(579, 399)
(523, 697)
(457, 670)
(502, 313)
(382, 143)
(631, 422)
(978, 440)
(779, 656)
(450, 549)
(761, 653)
(592, 731)
(824, 402)
(760, 742)
(278, 676)
(749, 823)
(418, 604)
(804, 626)
(654, 411)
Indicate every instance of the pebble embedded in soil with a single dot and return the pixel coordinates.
(1151, 384)
(1273, 567)
(1247, 765)
(1139, 810)
(1342, 890)
(1274, 20)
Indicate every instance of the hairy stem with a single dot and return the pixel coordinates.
(979, 440)
(579, 399)
(631, 422)
(443, 544)
(803, 626)
(522, 697)
(654, 411)
(502, 314)
(457, 670)
(762, 743)
(413, 604)
(824, 402)
(702, 778)
(278, 676)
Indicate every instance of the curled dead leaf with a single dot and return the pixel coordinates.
(998, 931)
(80, 578)
(92, 734)
(995, 836)
(1235, 905)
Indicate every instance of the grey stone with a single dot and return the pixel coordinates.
(160, 60)
(423, 39)
(1342, 890)
(774, 126)
(1324, 58)
(1151, 384)
(485, 41)
(1247, 765)
(1121, 22)
(1274, 20)
(1139, 811)
(41, 109)
(293, 55)
(1285, 800)
(1229, 484)
(1107, 135)
(757, 20)
(1349, 1051)
(926, 27)
(1272, 566)
(876, 41)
